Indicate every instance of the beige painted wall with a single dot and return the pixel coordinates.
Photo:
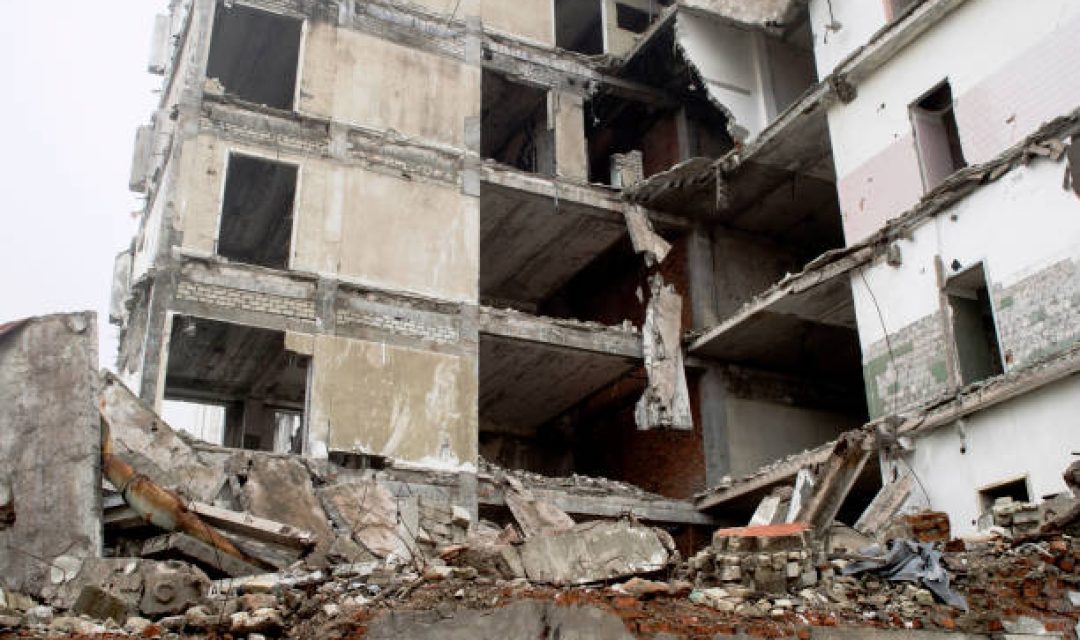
(411, 405)
(366, 81)
(527, 19)
(571, 155)
(383, 231)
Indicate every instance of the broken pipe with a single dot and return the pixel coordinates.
(155, 504)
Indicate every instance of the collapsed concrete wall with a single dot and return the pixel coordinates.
(50, 442)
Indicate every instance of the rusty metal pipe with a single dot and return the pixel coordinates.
(155, 504)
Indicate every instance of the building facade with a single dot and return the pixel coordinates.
(673, 243)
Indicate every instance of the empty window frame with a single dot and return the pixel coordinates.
(1016, 489)
(516, 130)
(631, 18)
(254, 55)
(236, 385)
(937, 138)
(257, 211)
(974, 330)
(579, 26)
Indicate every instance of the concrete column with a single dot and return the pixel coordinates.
(568, 117)
(713, 396)
(702, 274)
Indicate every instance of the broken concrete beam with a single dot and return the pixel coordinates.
(158, 506)
(250, 526)
(666, 402)
(886, 504)
(596, 551)
(835, 480)
(49, 446)
(642, 236)
(179, 546)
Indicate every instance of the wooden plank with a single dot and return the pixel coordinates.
(247, 525)
(885, 505)
(184, 547)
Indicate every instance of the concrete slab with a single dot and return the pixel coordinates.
(50, 442)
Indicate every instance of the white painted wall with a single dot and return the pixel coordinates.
(753, 77)
(967, 47)
(1017, 226)
(1031, 436)
(858, 21)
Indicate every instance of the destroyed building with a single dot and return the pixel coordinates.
(413, 234)
(696, 262)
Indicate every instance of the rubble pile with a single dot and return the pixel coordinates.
(280, 546)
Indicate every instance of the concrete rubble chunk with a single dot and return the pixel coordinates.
(369, 513)
(534, 516)
(280, 489)
(596, 551)
(170, 588)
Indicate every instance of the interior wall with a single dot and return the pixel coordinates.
(746, 265)
(363, 80)
(407, 404)
(1029, 437)
(761, 432)
(375, 229)
(526, 19)
(669, 463)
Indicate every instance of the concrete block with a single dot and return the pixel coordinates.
(50, 440)
(595, 551)
(100, 605)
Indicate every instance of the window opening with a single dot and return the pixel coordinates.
(937, 137)
(579, 26)
(254, 55)
(236, 386)
(631, 18)
(515, 129)
(974, 328)
(257, 212)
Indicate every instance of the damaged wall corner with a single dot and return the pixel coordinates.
(666, 402)
(49, 446)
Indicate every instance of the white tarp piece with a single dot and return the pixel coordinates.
(666, 402)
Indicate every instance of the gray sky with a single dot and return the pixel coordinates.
(75, 89)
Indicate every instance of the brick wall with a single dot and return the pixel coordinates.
(400, 325)
(1037, 316)
(907, 370)
(244, 300)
